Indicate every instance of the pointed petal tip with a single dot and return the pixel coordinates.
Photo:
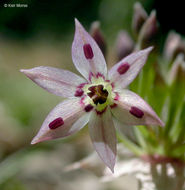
(111, 164)
(162, 124)
(37, 140)
(34, 141)
(77, 22)
(23, 70)
(27, 72)
(111, 168)
(158, 122)
(153, 13)
(149, 49)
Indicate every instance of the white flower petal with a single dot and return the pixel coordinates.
(124, 72)
(70, 114)
(131, 109)
(87, 56)
(103, 136)
(57, 81)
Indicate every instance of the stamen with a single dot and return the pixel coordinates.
(92, 89)
(136, 112)
(88, 108)
(79, 92)
(56, 123)
(123, 68)
(99, 100)
(98, 94)
(88, 52)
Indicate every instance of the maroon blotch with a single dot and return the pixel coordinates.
(136, 112)
(82, 85)
(82, 101)
(116, 97)
(123, 68)
(79, 92)
(88, 108)
(99, 75)
(90, 76)
(112, 84)
(88, 52)
(56, 123)
(113, 106)
(101, 112)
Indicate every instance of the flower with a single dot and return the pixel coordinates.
(97, 100)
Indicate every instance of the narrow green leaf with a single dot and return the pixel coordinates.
(176, 127)
(179, 151)
(130, 145)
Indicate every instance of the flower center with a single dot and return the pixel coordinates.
(98, 94)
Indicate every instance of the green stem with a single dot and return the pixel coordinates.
(130, 145)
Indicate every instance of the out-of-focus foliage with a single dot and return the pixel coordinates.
(55, 17)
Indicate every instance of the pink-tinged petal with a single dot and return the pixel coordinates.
(65, 119)
(57, 81)
(125, 71)
(131, 109)
(87, 56)
(103, 136)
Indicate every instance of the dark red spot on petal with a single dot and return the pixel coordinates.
(82, 101)
(116, 97)
(90, 76)
(56, 123)
(99, 75)
(101, 112)
(113, 105)
(79, 92)
(123, 68)
(82, 85)
(88, 52)
(88, 108)
(136, 112)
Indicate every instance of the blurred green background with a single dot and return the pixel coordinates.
(42, 34)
